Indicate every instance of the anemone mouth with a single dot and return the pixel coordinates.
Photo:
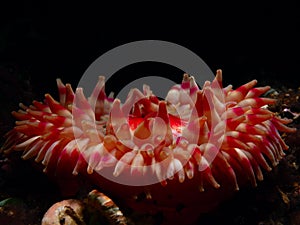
(155, 139)
(145, 140)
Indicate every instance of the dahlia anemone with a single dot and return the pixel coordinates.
(182, 155)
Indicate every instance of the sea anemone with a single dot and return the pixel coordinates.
(181, 155)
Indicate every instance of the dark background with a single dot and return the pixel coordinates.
(42, 41)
